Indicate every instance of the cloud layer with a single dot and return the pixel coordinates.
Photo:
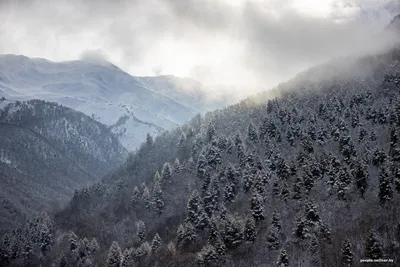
(256, 43)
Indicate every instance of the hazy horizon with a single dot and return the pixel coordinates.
(234, 43)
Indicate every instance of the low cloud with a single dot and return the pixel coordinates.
(238, 42)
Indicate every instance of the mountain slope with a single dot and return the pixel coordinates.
(101, 90)
(309, 178)
(306, 176)
(46, 152)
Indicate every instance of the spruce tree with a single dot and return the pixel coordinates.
(142, 252)
(276, 221)
(283, 260)
(257, 207)
(373, 247)
(127, 258)
(347, 254)
(249, 232)
(300, 231)
(158, 197)
(273, 240)
(297, 185)
(156, 242)
(141, 231)
(385, 187)
(185, 234)
(149, 139)
(146, 198)
(248, 178)
(211, 197)
(360, 174)
(210, 131)
(208, 256)
(232, 232)
(114, 255)
(135, 195)
(195, 211)
(202, 164)
(166, 173)
(252, 134)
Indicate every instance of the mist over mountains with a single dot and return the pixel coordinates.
(102, 168)
(130, 106)
(306, 174)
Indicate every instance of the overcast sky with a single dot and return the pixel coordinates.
(257, 43)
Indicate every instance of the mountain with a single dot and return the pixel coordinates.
(310, 177)
(46, 152)
(130, 106)
(191, 92)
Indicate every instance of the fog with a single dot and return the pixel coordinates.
(245, 44)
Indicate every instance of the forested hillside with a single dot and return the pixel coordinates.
(310, 178)
(46, 152)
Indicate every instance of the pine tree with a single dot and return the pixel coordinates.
(176, 166)
(347, 254)
(273, 241)
(141, 231)
(276, 188)
(157, 177)
(308, 181)
(221, 251)
(257, 207)
(248, 178)
(385, 187)
(142, 252)
(211, 197)
(73, 241)
(166, 173)
(202, 171)
(46, 238)
(63, 261)
(311, 213)
(285, 191)
(114, 255)
(379, 157)
(127, 258)
(360, 174)
(250, 230)
(185, 234)
(325, 233)
(213, 229)
(396, 173)
(158, 197)
(156, 242)
(276, 221)
(94, 246)
(342, 183)
(297, 185)
(232, 232)
(373, 247)
(229, 192)
(146, 198)
(195, 211)
(210, 131)
(135, 195)
(300, 232)
(252, 134)
(208, 256)
(149, 139)
(283, 260)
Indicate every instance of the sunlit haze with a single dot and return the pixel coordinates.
(249, 44)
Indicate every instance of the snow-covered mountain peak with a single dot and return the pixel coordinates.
(105, 92)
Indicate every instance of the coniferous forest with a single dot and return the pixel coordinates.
(307, 174)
